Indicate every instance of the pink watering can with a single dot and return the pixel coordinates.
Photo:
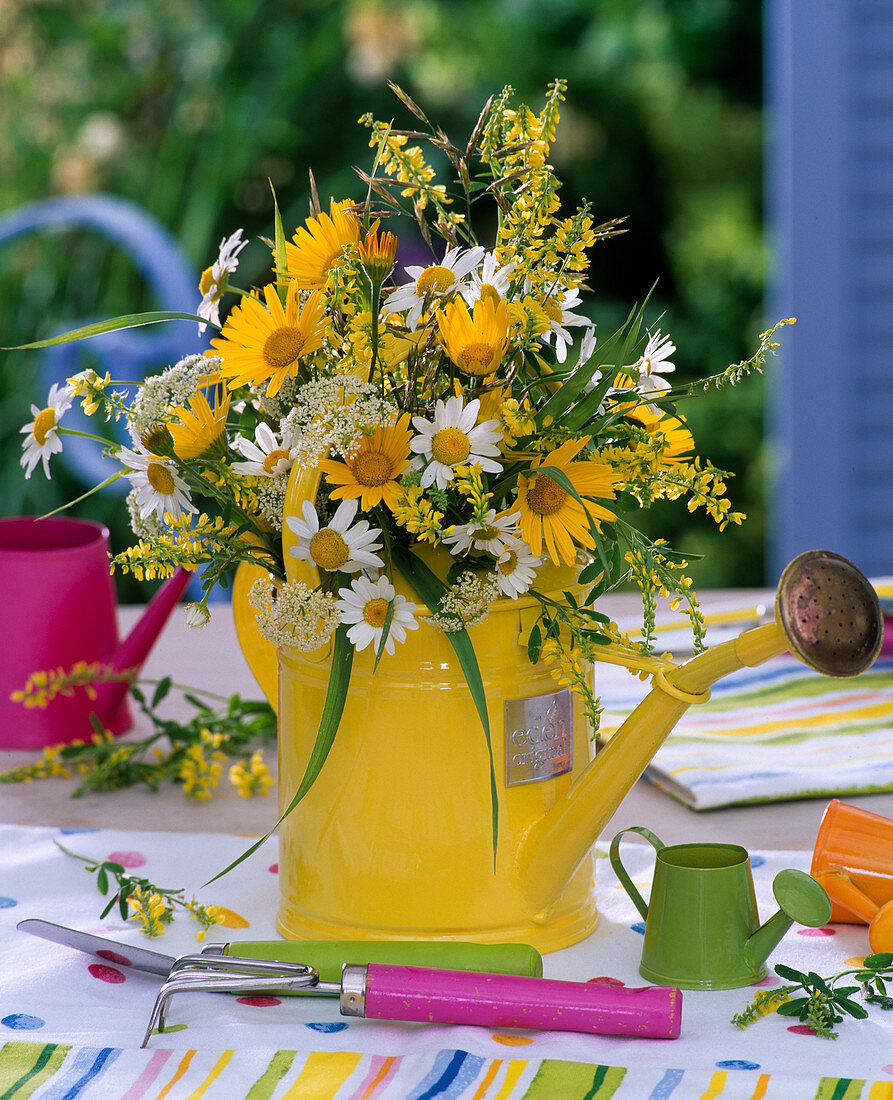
(57, 607)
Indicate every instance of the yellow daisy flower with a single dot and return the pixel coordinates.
(679, 443)
(257, 344)
(371, 474)
(320, 244)
(201, 432)
(475, 342)
(548, 511)
(377, 254)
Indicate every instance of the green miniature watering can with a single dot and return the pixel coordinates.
(702, 929)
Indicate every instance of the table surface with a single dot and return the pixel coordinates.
(211, 659)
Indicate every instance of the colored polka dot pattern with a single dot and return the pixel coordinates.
(639, 927)
(802, 1029)
(737, 1063)
(20, 1021)
(8, 903)
(127, 859)
(512, 1040)
(273, 868)
(888, 1069)
(826, 931)
(770, 979)
(258, 1001)
(106, 973)
(327, 1029)
(757, 861)
(114, 957)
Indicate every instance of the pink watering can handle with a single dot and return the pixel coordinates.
(508, 1000)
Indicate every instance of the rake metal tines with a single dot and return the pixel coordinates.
(232, 974)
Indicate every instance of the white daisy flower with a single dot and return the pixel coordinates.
(365, 607)
(516, 569)
(43, 439)
(655, 362)
(159, 488)
(454, 438)
(489, 276)
(493, 535)
(267, 455)
(338, 546)
(214, 278)
(561, 319)
(433, 283)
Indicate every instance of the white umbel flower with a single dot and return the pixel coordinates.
(214, 279)
(453, 439)
(516, 569)
(364, 608)
(159, 488)
(43, 439)
(338, 547)
(267, 455)
(562, 319)
(492, 536)
(433, 283)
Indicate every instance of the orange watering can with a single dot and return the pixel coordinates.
(853, 860)
(57, 606)
(393, 839)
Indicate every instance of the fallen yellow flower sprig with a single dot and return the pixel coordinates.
(191, 753)
(138, 899)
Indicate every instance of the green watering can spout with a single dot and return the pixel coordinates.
(802, 900)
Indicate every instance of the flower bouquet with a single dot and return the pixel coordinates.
(466, 430)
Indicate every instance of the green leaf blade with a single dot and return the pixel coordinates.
(114, 324)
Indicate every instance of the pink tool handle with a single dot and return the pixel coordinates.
(509, 1000)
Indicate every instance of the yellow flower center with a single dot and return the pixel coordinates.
(160, 478)
(546, 496)
(489, 293)
(283, 347)
(437, 278)
(553, 312)
(328, 549)
(476, 359)
(372, 468)
(273, 458)
(376, 611)
(484, 534)
(44, 422)
(450, 446)
(206, 281)
(507, 567)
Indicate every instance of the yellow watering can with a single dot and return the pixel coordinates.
(393, 840)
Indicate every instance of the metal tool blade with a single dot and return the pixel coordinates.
(121, 954)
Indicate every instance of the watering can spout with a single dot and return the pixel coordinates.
(826, 613)
(801, 899)
(135, 648)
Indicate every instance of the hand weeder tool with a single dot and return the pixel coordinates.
(426, 995)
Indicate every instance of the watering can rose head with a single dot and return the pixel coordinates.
(387, 445)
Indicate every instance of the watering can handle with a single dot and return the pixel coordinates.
(620, 870)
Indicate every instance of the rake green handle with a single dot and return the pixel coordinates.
(328, 957)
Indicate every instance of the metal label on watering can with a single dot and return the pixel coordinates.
(539, 742)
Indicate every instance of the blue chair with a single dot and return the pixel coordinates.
(130, 353)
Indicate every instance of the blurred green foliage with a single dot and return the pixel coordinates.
(190, 107)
